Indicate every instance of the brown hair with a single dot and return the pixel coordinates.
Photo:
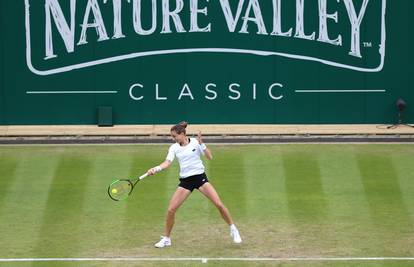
(180, 128)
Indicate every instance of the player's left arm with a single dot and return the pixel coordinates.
(203, 147)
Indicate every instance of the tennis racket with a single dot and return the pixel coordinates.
(122, 188)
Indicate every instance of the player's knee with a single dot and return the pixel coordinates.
(220, 205)
(171, 210)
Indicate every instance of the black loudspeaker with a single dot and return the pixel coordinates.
(401, 105)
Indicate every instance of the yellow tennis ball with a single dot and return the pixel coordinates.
(114, 191)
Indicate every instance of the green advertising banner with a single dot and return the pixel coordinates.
(206, 61)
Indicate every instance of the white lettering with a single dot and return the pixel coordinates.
(234, 91)
(228, 15)
(211, 91)
(258, 18)
(98, 23)
(271, 88)
(355, 24)
(131, 89)
(277, 20)
(117, 5)
(67, 33)
(186, 92)
(254, 91)
(167, 14)
(194, 15)
(137, 13)
(157, 94)
(300, 22)
(331, 15)
(323, 24)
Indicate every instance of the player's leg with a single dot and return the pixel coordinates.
(179, 196)
(208, 190)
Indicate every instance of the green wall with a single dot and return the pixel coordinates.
(39, 89)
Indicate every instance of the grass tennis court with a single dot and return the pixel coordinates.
(315, 200)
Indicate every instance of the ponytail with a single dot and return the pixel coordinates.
(180, 128)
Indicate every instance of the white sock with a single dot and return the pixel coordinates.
(233, 227)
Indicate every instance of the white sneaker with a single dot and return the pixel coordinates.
(164, 242)
(234, 233)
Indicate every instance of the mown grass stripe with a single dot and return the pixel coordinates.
(347, 224)
(265, 186)
(100, 210)
(402, 163)
(306, 197)
(382, 191)
(392, 227)
(25, 203)
(228, 177)
(62, 217)
(8, 167)
(141, 162)
(342, 185)
(155, 187)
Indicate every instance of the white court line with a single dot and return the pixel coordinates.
(340, 91)
(71, 92)
(211, 259)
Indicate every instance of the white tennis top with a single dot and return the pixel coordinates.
(188, 157)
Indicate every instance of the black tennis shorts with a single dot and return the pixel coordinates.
(193, 182)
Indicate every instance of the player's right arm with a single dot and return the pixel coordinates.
(159, 168)
(165, 164)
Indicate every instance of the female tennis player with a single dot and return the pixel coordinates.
(192, 176)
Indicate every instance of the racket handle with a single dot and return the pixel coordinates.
(143, 176)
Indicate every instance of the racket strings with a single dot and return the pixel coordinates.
(120, 189)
